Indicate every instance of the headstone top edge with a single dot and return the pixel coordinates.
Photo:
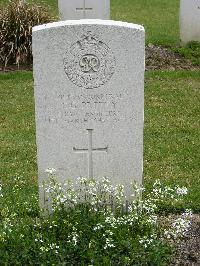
(88, 22)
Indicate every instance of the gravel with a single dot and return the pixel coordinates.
(188, 249)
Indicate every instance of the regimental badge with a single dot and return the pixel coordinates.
(89, 63)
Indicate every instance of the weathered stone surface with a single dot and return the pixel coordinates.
(84, 9)
(189, 20)
(89, 96)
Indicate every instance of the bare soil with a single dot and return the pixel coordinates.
(161, 58)
(14, 67)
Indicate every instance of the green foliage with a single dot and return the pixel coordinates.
(190, 51)
(16, 22)
(88, 231)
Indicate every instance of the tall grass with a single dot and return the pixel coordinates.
(16, 22)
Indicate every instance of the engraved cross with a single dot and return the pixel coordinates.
(90, 151)
(84, 8)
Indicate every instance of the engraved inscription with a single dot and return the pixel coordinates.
(89, 63)
(84, 108)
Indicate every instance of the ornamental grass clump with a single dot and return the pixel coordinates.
(16, 22)
(91, 223)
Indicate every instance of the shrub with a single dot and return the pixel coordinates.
(16, 22)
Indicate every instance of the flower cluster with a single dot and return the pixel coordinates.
(49, 248)
(161, 192)
(118, 212)
(73, 237)
(96, 193)
(179, 227)
(93, 221)
(147, 240)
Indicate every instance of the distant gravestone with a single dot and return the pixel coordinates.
(89, 100)
(84, 9)
(189, 20)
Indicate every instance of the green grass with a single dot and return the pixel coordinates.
(172, 130)
(159, 17)
(171, 150)
(190, 51)
(17, 126)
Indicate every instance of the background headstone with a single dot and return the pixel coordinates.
(189, 20)
(89, 96)
(84, 9)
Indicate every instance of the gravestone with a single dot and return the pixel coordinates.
(89, 97)
(189, 20)
(84, 9)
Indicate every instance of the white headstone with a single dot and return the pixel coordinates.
(89, 95)
(84, 9)
(189, 20)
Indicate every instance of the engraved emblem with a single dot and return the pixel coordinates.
(89, 63)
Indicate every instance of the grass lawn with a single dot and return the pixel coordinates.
(159, 17)
(172, 130)
(171, 150)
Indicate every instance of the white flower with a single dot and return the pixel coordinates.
(53, 246)
(187, 214)
(98, 227)
(1, 194)
(44, 249)
(182, 191)
(146, 241)
(82, 180)
(109, 243)
(167, 234)
(50, 171)
(153, 219)
(181, 225)
(73, 237)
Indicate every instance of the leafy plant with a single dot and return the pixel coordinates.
(190, 51)
(16, 22)
(83, 228)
